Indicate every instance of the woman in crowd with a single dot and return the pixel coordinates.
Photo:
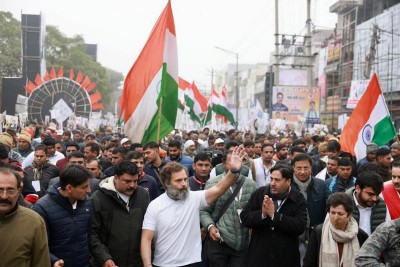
(336, 241)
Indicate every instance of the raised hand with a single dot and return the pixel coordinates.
(238, 154)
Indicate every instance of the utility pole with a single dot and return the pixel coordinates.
(370, 58)
(308, 43)
(276, 80)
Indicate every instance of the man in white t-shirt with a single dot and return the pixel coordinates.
(173, 218)
(52, 154)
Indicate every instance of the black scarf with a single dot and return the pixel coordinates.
(278, 197)
(281, 196)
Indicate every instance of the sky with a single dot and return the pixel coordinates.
(120, 28)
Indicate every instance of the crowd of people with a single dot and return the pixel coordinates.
(93, 198)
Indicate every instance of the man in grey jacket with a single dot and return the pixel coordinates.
(384, 241)
(229, 239)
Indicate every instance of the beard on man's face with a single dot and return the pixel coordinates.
(174, 156)
(177, 194)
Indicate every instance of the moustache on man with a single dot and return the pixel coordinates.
(5, 201)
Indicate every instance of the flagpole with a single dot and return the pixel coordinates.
(204, 120)
(186, 122)
(159, 119)
(183, 116)
(212, 121)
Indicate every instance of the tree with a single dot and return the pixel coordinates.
(60, 51)
(71, 53)
(10, 46)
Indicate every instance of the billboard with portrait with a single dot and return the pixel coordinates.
(357, 90)
(294, 102)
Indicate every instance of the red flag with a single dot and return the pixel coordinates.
(94, 98)
(60, 73)
(90, 87)
(71, 74)
(53, 74)
(97, 106)
(38, 79)
(47, 76)
(79, 77)
(85, 82)
(30, 87)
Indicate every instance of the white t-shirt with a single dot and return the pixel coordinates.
(176, 225)
(53, 159)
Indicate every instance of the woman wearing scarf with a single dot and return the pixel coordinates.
(337, 241)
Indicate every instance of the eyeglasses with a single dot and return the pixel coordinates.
(9, 192)
(77, 162)
(305, 169)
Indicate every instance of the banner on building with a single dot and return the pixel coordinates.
(357, 90)
(334, 50)
(293, 102)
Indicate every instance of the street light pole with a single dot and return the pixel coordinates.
(237, 82)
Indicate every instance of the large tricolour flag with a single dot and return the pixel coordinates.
(369, 122)
(153, 76)
(196, 103)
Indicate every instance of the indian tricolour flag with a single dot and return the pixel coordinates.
(370, 122)
(150, 95)
(213, 102)
(182, 87)
(196, 103)
(222, 109)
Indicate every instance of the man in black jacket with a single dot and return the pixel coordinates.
(278, 215)
(119, 208)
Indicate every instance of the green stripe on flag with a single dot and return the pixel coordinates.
(189, 102)
(207, 117)
(169, 88)
(384, 131)
(223, 111)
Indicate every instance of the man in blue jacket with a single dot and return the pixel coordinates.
(175, 154)
(66, 211)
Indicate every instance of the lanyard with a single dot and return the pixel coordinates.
(266, 173)
(199, 182)
(280, 206)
